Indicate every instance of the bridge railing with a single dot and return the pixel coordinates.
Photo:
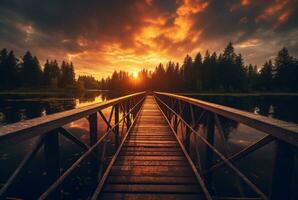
(47, 130)
(198, 123)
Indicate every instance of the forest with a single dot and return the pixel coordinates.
(210, 72)
(27, 73)
(225, 72)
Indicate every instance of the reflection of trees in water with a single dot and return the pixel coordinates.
(284, 107)
(111, 95)
(88, 97)
(54, 106)
(227, 125)
(14, 111)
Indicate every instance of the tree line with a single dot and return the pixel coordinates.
(225, 72)
(27, 73)
(210, 72)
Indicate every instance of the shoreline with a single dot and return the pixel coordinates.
(240, 94)
(66, 92)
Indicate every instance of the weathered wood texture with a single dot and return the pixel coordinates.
(151, 164)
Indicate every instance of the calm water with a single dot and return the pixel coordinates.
(238, 136)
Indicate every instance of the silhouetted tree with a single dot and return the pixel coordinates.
(88, 82)
(31, 70)
(197, 66)
(285, 71)
(51, 74)
(67, 77)
(187, 70)
(266, 76)
(251, 78)
(8, 70)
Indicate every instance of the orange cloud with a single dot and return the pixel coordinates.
(245, 2)
(272, 10)
(284, 17)
(102, 36)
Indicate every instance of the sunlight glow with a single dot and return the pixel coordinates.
(135, 75)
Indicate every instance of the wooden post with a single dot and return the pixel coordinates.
(51, 151)
(94, 165)
(127, 105)
(93, 128)
(209, 153)
(187, 131)
(116, 130)
(282, 172)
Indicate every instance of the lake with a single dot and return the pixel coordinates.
(14, 108)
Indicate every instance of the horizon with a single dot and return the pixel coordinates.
(110, 37)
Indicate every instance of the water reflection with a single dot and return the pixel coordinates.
(257, 166)
(281, 107)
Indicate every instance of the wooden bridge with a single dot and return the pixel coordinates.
(158, 150)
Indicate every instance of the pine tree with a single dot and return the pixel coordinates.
(197, 65)
(67, 78)
(284, 68)
(3, 69)
(31, 70)
(8, 70)
(188, 77)
(266, 77)
(51, 74)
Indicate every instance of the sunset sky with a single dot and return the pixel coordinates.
(100, 36)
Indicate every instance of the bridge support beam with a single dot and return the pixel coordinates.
(209, 153)
(93, 128)
(51, 151)
(128, 122)
(282, 172)
(92, 140)
(116, 130)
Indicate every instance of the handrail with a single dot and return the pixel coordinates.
(180, 111)
(227, 162)
(37, 126)
(100, 185)
(83, 156)
(282, 130)
(195, 170)
(49, 127)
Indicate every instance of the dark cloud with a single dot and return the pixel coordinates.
(103, 35)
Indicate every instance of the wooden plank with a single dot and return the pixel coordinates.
(140, 188)
(151, 149)
(152, 168)
(135, 196)
(151, 138)
(136, 144)
(151, 134)
(151, 180)
(172, 173)
(151, 163)
(146, 153)
(151, 158)
(151, 142)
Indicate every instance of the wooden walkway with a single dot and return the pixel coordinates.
(151, 164)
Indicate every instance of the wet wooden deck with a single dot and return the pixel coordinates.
(151, 164)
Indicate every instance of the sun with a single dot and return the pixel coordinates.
(135, 75)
